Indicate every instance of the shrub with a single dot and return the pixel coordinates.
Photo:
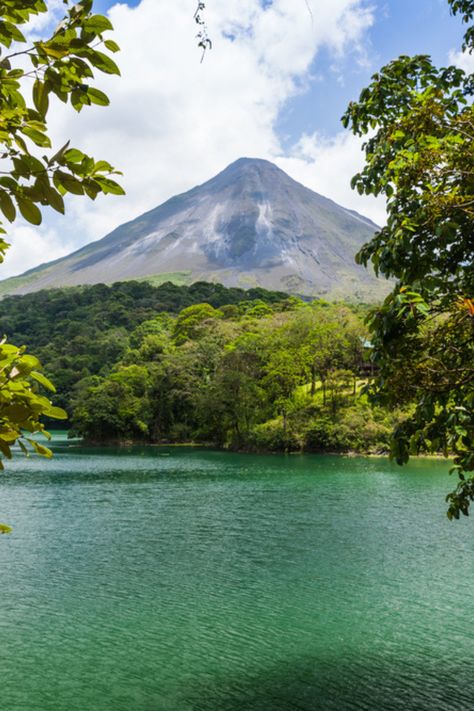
(358, 429)
(271, 437)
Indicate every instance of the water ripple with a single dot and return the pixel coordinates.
(203, 581)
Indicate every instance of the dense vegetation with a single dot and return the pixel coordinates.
(83, 331)
(418, 121)
(246, 369)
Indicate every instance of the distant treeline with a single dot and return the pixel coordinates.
(248, 369)
(37, 319)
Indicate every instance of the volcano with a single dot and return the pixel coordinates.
(251, 225)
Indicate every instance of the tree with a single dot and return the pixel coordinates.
(328, 337)
(283, 373)
(236, 396)
(419, 120)
(191, 319)
(116, 407)
(35, 174)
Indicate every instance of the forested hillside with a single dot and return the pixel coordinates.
(82, 331)
(245, 369)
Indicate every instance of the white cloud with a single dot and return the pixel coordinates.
(30, 246)
(174, 122)
(41, 22)
(327, 166)
(464, 60)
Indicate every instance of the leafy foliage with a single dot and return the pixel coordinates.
(61, 66)
(36, 174)
(21, 402)
(420, 155)
(466, 9)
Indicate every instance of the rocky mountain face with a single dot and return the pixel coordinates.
(251, 225)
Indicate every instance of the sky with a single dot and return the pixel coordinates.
(274, 86)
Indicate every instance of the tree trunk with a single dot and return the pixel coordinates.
(313, 380)
(284, 431)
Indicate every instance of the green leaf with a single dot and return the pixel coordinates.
(5, 449)
(40, 139)
(40, 97)
(73, 155)
(111, 45)
(55, 52)
(57, 157)
(40, 378)
(104, 63)
(16, 413)
(102, 166)
(97, 24)
(29, 210)
(7, 206)
(20, 143)
(28, 362)
(68, 182)
(13, 31)
(41, 449)
(91, 188)
(109, 186)
(57, 413)
(79, 99)
(55, 200)
(8, 182)
(98, 97)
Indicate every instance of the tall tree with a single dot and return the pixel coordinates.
(419, 123)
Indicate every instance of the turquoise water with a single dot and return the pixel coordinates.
(206, 581)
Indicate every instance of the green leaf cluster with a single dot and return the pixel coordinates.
(22, 404)
(61, 66)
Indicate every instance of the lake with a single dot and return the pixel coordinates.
(180, 579)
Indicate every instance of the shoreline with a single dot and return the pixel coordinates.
(217, 448)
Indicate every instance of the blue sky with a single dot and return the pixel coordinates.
(400, 27)
(276, 90)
